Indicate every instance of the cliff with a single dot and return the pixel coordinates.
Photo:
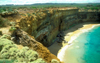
(45, 25)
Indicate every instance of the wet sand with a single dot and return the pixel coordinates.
(70, 35)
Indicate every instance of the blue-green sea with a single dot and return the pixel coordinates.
(85, 48)
(92, 46)
(89, 42)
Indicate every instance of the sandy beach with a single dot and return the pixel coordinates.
(67, 51)
(70, 35)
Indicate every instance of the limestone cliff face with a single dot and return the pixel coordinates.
(45, 25)
(89, 16)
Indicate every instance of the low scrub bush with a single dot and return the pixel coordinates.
(8, 50)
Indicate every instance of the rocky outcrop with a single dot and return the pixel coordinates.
(22, 38)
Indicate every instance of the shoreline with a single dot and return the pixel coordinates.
(56, 48)
(75, 34)
(71, 36)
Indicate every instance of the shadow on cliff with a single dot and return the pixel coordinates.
(98, 17)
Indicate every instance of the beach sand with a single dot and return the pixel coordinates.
(70, 35)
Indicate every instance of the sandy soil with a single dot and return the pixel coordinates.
(70, 35)
(5, 30)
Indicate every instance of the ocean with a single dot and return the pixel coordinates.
(92, 47)
(85, 48)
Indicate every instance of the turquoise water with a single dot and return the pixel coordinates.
(84, 49)
(92, 47)
(90, 42)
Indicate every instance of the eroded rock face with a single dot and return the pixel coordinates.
(45, 25)
(21, 37)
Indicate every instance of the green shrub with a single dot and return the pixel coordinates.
(34, 7)
(7, 47)
(96, 8)
(23, 55)
(1, 10)
(40, 60)
(5, 37)
(8, 50)
(4, 42)
(28, 14)
(31, 55)
(54, 61)
(10, 9)
(12, 28)
(4, 9)
(7, 11)
(85, 7)
(92, 8)
(26, 55)
(12, 23)
(6, 61)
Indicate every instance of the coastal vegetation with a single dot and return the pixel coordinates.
(10, 52)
